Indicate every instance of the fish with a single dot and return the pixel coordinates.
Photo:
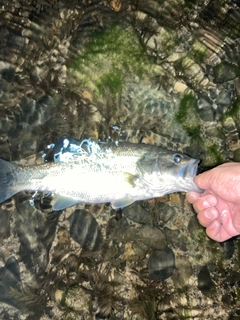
(89, 172)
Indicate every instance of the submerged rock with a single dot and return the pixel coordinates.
(205, 108)
(84, 229)
(225, 71)
(161, 264)
(158, 72)
(205, 283)
(9, 280)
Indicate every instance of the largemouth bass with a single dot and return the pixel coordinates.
(119, 173)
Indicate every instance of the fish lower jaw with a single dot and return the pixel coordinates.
(192, 187)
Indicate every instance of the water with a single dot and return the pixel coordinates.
(153, 73)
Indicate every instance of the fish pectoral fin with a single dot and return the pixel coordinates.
(131, 179)
(122, 203)
(60, 202)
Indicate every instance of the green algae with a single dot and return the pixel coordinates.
(225, 71)
(190, 3)
(198, 52)
(169, 41)
(71, 300)
(234, 111)
(184, 67)
(215, 154)
(112, 80)
(108, 58)
(188, 117)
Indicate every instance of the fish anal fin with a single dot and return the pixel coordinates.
(122, 203)
(60, 202)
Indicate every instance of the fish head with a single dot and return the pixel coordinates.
(180, 169)
(170, 172)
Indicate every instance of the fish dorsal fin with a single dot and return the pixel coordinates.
(60, 202)
(122, 203)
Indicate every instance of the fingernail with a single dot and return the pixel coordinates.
(210, 202)
(209, 213)
(191, 196)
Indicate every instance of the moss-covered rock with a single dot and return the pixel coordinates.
(225, 71)
(76, 299)
(198, 52)
(234, 111)
(188, 117)
(109, 56)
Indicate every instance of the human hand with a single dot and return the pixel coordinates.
(218, 207)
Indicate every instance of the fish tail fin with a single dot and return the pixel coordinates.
(8, 173)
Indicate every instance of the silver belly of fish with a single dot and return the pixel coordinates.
(119, 173)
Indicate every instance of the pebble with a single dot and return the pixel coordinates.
(205, 109)
(205, 283)
(180, 87)
(180, 278)
(84, 230)
(137, 213)
(223, 98)
(9, 278)
(153, 237)
(161, 264)
(236, 155)
(225, 71)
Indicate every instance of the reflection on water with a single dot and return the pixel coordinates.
(158, 72)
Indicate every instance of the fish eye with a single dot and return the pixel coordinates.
(177, 158)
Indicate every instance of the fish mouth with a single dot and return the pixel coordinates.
(192, 168)
(189, 172)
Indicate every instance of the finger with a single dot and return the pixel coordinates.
(236, 218)
(213, 231)
(216, 232)
(206, 217)
(227, 222)
(205, 202)
(204, 180)
(222, 228)
(192, 196)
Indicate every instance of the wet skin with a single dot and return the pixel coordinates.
(218, 208)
